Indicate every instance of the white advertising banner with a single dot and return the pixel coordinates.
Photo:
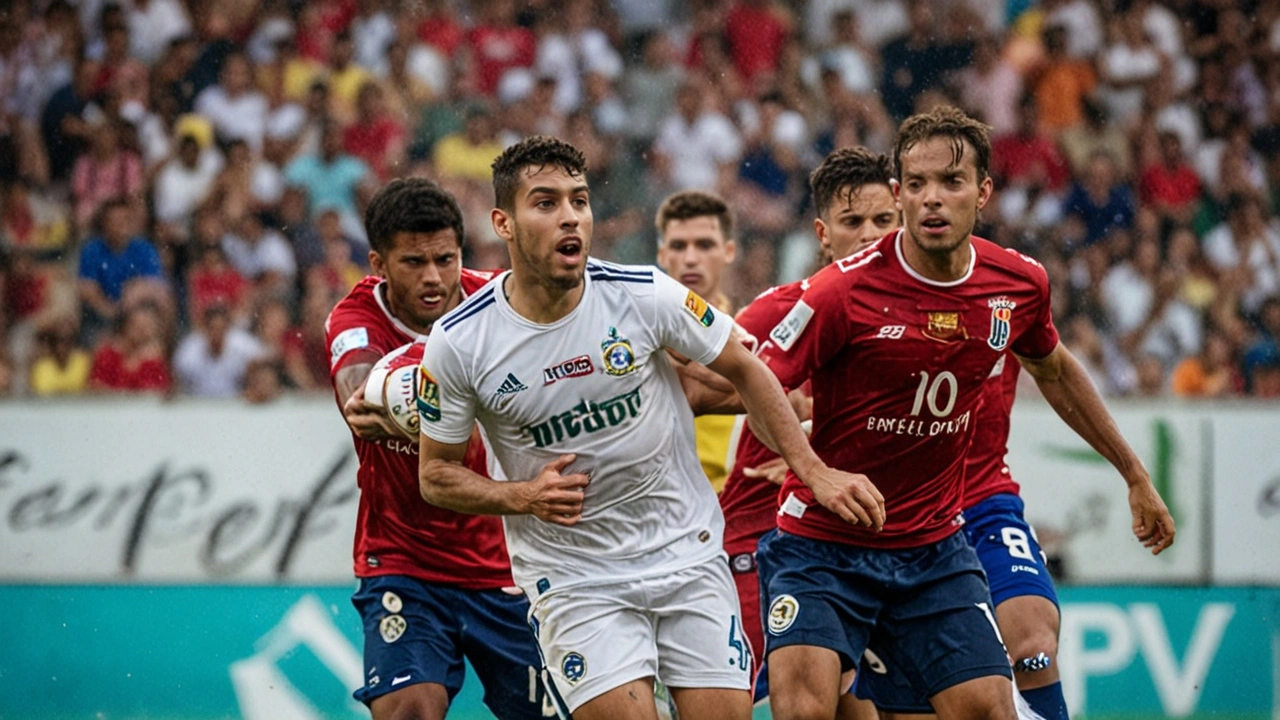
(1078, 503)
(1246, 497)
(185, 491)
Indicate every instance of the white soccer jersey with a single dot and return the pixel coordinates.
(599, 384)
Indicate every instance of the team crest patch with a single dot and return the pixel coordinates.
(697, 307)
(619, 358)
(1001, 314)
(392, 602)
(392, 627)
(574, 667)
(428, 396)
(782, 613)
(945, 327)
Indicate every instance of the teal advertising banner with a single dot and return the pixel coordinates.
(279, 652)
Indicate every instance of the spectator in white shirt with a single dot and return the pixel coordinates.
(1246, 249)
(261, 255)
(153, 24)
(1147, 315)
(212, 360)
(236, 109)
(697, 148)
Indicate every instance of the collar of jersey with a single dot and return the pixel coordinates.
(504, 305)
(973, 260)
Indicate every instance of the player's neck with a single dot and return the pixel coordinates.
(403, 317)
(937, 266)
(537, 301)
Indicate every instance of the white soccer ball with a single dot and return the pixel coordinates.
(393, 385)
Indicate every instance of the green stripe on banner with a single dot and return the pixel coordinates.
(122, 652)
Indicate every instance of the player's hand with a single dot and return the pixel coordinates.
(849, 495)
(368, 421)
(774, 471)
(556, 498)
(1152, 523)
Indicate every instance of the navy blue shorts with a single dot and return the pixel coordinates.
(1008, 549)
(915, 621)
(418, 632)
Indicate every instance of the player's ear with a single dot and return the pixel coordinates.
(896, 187)
(730, 250)
(820, 229)
(985, 188)
(501, 221)
(376, 264)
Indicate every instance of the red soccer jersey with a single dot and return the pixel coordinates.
(985, 472)
(898, 365)
(750, 505)
(397, 533)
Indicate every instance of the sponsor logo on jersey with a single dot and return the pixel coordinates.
(574, 667)
(784, 334)
(428, 396)
(782, 613)
(698, 308)
(945, 327)
(619, 358)
(346, 341)
(585, 417)
(392, 627)
(580, 366)
(1001, 314)
(510, 386)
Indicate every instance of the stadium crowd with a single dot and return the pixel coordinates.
(181, 187)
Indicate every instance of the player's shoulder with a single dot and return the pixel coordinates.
(993, 257)
(868, 263)
(479, 302)
(359, 306)
(617, 274)
(474, 280)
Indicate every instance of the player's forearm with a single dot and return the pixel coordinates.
(774, 420)
(707, 392)
(1076, 400)
(452, 486)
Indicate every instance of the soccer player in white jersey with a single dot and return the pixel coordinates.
(614, 532)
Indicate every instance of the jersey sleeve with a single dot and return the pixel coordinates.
(348, 331)
(688, 324)
(446, 402)
(815, 329)
(758, 318)
(1041, 337)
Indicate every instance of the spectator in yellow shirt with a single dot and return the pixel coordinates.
(61, 368)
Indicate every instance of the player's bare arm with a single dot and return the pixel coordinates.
(366, 420)
(849, 495)
(1065, 384)
(445, 482)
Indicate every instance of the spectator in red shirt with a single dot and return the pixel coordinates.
(497, 44)
(133, 359)
(212, 280)
(1027, 157)
(1171, 186)
(757, 31)
(376, 136)
(440, 27)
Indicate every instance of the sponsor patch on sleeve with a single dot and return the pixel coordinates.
(784, 334)
(698, 307)
(347, 340)
(428, 396)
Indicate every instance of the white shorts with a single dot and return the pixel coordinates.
(684, 628)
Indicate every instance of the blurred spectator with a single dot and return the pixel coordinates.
(1129, 61)
(469, 154)
(756, 30)
(133, 358)
(114, 258)
(918, 61)
(1151, 377)
(570, 48)
(1146, 312)
(211, 280)
(1110, 370)
(650, 86)
(337, 274)
(1212, 373)
(1061, 83)
(236, 108)
(345, 78)
(261, 255)
(282, 345)
(1100, 200)
(1080, 143)
(213, 359)
(1246, 250)
(439, 26)
(1199, 281)
(183, 183)
(30, 219)
(697, 148)
(153, 24)
(376, 137)
(332, 178)
(1027, 157)
(1171, 187)
(769, 175)
(107, 171)
(991, 88)
(263, 382)
(1079, 23)
(61, 367)
(496, 44)
(246, 185)
(1265, 351)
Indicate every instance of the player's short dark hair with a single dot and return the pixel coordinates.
(947, 122)
(689, 204)
(412, 205)
(537, 151)
(843, 172)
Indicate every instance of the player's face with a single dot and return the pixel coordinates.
(424, 276)
(550, 230)
(856, 218)
(695, 251)
(940, 195)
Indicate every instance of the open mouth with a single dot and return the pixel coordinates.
(431, 299)
(934, 224)
(570, 247)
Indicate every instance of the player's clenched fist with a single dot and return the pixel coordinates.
(1152, 523)
(849, 495)
(556, 498)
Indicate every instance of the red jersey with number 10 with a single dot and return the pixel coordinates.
(397, 532)
(899, 364)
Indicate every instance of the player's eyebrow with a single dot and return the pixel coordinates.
(554, 191)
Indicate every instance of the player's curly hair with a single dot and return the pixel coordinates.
(413, 205)
(843, 172)
(947, 122)
(537, 151)
(688, 204)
